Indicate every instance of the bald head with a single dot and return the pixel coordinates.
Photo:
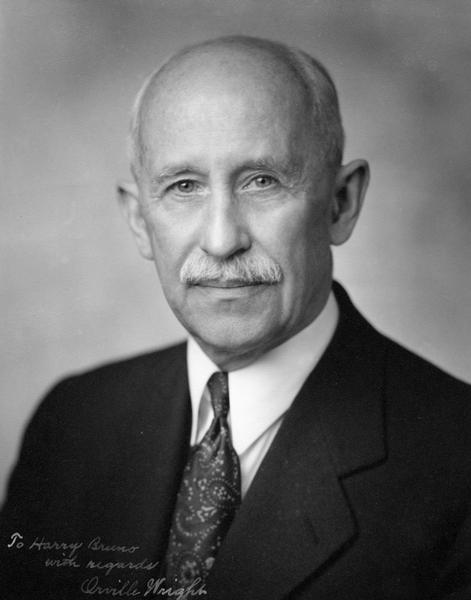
(236, 66)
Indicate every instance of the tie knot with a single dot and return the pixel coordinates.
(219, 391)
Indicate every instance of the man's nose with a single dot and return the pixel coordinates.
(224, 230)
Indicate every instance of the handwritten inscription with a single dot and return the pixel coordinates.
(95, 555)
(143, 565)
(16, 540)
(93, 587)
(62, 562)
(155, 587)
(42, 544)
(70, 556)
(158, 587)
(98, 546)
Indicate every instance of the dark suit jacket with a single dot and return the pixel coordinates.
(364, 494)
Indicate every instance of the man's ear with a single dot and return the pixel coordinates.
(349, 190)
(128, 198)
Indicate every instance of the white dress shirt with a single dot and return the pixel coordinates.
(261, 393)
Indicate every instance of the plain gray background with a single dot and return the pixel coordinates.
(74, 291)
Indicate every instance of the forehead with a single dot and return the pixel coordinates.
(223, 101)
(222, 68)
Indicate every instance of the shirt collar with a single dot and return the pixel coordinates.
(264, 390)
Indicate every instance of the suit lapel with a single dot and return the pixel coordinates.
(152, 443)
(295, 516)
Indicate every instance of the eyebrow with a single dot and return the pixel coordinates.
(288, 167)
(170, 171)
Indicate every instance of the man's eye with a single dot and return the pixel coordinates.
(185, 186)
(263, 181)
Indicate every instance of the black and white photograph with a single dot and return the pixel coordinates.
(236, 297)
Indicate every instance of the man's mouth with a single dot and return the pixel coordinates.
(227, 284)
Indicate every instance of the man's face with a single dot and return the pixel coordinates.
(231, 178)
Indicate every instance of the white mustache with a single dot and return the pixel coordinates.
(245, 270)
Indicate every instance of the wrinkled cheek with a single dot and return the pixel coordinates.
(166, 258)
(306, 275)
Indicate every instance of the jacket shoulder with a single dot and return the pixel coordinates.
(114, 387)
(133, 366)
(426, 408)
(406, 369)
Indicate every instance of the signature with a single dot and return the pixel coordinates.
(158, 587)
(155, 587)
(93, 587)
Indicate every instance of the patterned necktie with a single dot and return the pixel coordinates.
(208, 498)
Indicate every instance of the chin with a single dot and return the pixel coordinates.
(233, 339)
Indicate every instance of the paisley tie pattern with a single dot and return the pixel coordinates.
(208, 498)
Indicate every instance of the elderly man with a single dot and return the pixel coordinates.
(288, 450)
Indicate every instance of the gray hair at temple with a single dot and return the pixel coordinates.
(313, 76)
